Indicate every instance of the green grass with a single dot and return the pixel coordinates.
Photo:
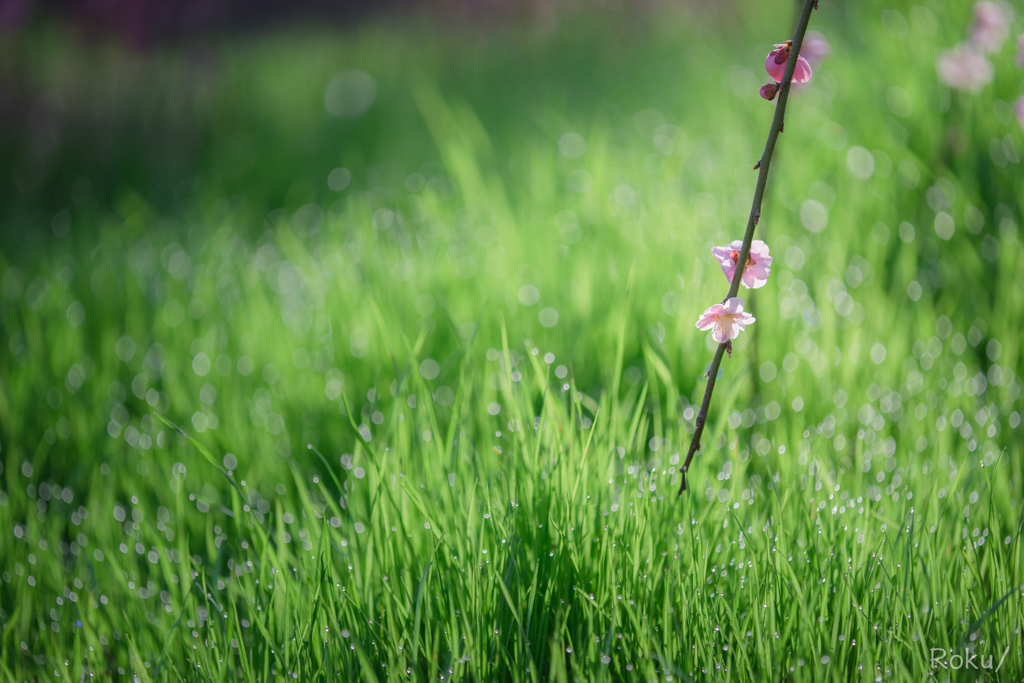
(381, 473)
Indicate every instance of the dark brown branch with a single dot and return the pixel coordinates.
(763, 166)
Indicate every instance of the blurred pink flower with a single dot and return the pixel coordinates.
(815, 48)
(769, 91)
(1018, 109)
(964, 69)
(1020, 50)
(775, 64)
(725, 321)
(991, 26)
(757, 268)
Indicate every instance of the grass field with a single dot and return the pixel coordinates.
(418, 419)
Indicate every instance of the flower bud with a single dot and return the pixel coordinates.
(769, 91)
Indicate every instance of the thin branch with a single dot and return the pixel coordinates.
(755, 214)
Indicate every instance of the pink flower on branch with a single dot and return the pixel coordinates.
(755, 271)
(725, 321)
(775, 64)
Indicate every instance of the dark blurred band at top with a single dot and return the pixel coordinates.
(146, 23)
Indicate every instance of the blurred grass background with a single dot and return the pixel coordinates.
(410, 244)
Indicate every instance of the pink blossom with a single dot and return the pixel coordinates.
(769, 91)
(775, 64)
(757, 268)
(1018, 109)
(1020, 50)
(815, 47)
(991, 26)
(725, 321)
(964, 69)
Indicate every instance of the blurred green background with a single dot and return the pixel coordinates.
(183, 199)
(243, 232)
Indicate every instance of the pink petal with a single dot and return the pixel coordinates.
(759, 249)
(733, 305)
(802, 74)
(774, 70)
(758, 276)
(723, 254)
(710, 317)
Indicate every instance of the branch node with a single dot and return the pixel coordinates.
(757, 165)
